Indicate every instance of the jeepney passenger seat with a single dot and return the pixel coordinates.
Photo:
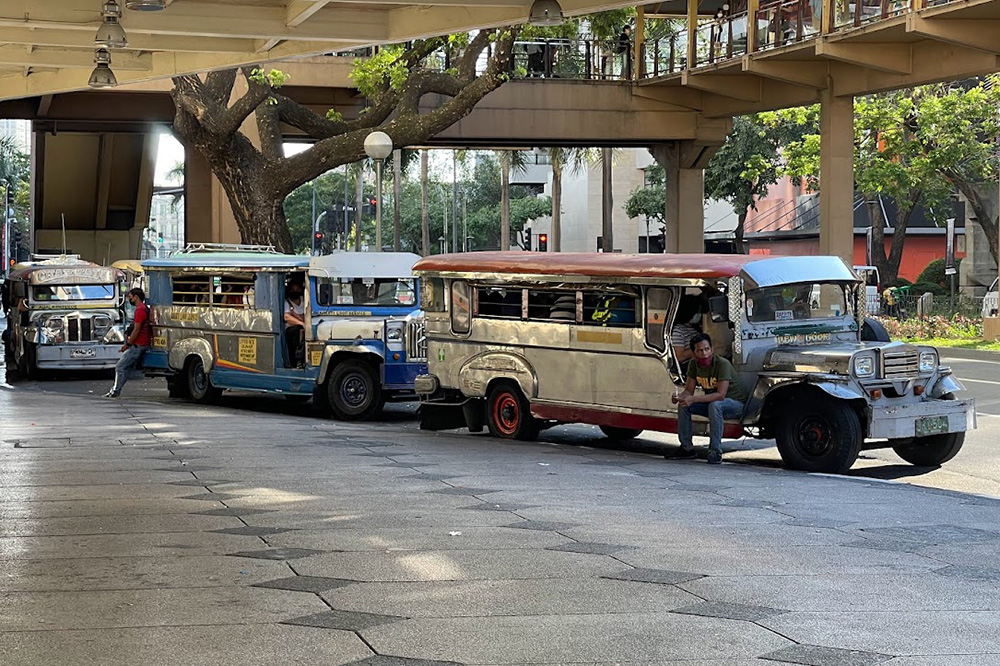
(722, 335)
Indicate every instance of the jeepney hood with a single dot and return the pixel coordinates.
(830, 358)
(351, 328)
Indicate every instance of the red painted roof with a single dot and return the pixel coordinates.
(697, 266)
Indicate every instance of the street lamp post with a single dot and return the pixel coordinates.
(378, 146)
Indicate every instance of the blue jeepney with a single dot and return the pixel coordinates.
(218, 322)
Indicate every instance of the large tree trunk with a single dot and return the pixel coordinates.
(260, 215)
(607, 201)
(879, 260)
(359, 195)
(425, 224)
(982, 202)
(741, 226)
(397, 178)
(899, 235)
(505, 201)
(557, 174)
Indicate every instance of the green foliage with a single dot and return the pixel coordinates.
(934, 274)
(609, 24)
(273, 78)
(745, 166)
(386, 66)
(334, 115)
(647, 202)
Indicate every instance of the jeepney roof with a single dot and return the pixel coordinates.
(762, 270)
(64, 271)
(364, 265)
(260, 261)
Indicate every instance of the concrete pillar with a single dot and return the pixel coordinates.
(684, 212)
(836, 167)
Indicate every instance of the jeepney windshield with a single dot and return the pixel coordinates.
(75, 292)
(797, 302)
(382, 292)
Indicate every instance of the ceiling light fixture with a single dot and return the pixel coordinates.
(102, 76)
(546, 13)
(146, 5)
(111, 34)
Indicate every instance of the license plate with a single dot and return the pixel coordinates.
(931, 425)
(83, 353)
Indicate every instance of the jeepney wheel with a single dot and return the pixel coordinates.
(354, 391)
(199, 386)
(508, 413)
(620, 434)
(932, 450)
(819, 434)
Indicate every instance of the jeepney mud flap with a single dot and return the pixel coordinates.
(440, 416)
(921, 420)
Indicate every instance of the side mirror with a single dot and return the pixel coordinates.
(325, 293)
(718, 306)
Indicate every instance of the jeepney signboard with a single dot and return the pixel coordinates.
(248, 351)
(803, 339)
(81, 275)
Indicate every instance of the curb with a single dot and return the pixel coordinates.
(969, 354)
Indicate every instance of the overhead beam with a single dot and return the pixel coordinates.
(799, 72)
(137, 41)
(746, 88)
(973, 33)
(884, 57)
(298, 12)
(683, 98)
(24, 56)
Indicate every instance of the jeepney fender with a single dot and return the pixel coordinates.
(475, 375)
(766, 384)
(946, 383)
(364, 351)
(193, 346)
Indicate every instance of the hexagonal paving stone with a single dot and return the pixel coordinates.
(278, 553)
(348, 621)
(730, 611)
(252, 530)
(233, 512)
(459, 490)
(591, 548)
(657, 576)
(313, 584)
(542, 526)
(815, 655)
(491, 506)
(388, 660)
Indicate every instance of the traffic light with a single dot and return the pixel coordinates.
(373, 203)
(543, 242)
(318, 242)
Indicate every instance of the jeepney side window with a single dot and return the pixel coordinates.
(609, 308)
(432, 294)
(552, 305)
(657, 309)
(501, 302)
(461, 307)
(233, 291)
(192, 289)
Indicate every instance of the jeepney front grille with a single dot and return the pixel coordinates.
(79, 329)
(416, 341)
(900, 365)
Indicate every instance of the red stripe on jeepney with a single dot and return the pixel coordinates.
(601, 417)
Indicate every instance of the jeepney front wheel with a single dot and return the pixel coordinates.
(819, 434)
(508, 413)
(197, 382)
(354, 391)
(620, 434)
(932, 450)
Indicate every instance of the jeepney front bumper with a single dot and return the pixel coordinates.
(78, 357)
(426, 385)
(928, 417)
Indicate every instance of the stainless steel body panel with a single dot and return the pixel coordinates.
(901, 421)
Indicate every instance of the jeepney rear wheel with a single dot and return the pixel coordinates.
(620, 434)
(932, 450)
(819, 434)
(197, 382)
(508, 413)
(354, 391)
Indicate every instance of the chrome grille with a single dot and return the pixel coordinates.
(79, 329)
(900, 365)
(416, 340)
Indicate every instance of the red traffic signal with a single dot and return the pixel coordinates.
(318, 235)
(543, 242)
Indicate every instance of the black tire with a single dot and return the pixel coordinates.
(873, 331)
(620, 434)
(177, 387)
(818, 433)
(197, 383)
(930, 451)
(508, 413)
(354, 392)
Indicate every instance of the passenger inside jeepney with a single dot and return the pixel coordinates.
(688, 310)
(294, 315)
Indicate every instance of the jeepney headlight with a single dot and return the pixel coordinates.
(864, 366)
(53, 324)
(101, 324)
(394, 332)
(928, 361)
(114, 335)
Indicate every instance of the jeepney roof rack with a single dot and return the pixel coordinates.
(192, 248)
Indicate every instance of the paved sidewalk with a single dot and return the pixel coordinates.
(146, 532)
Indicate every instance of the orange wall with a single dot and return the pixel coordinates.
(918, 251)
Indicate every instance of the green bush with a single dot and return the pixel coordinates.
(920, 287)
(935, 273)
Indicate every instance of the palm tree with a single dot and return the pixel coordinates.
(510, 160)
(425, 229)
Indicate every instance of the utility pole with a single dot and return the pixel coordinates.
(454, 201)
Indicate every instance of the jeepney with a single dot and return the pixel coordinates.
(218, 321)
(522, 341)
(63, 313)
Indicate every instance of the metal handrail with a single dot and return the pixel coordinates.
(192, 248)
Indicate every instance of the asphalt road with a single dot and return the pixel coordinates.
(975, 470)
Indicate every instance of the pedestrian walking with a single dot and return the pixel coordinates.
(136, 342)
(625, 49)
(723, 397)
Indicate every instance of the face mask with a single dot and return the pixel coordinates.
(704, 362)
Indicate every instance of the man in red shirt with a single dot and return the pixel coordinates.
(137, 343)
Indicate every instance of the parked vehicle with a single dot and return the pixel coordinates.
(520, 341)
(218, 321)
(63, 313)
(991, 302)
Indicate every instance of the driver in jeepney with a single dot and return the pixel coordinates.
(295, 323)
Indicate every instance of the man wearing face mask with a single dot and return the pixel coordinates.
(137, 343)
(723, 397)
(295, 322)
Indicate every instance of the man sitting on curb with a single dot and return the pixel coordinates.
(723, 398)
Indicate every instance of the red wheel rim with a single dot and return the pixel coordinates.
(506, 413)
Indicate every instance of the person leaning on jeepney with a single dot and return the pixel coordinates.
(723, 397)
